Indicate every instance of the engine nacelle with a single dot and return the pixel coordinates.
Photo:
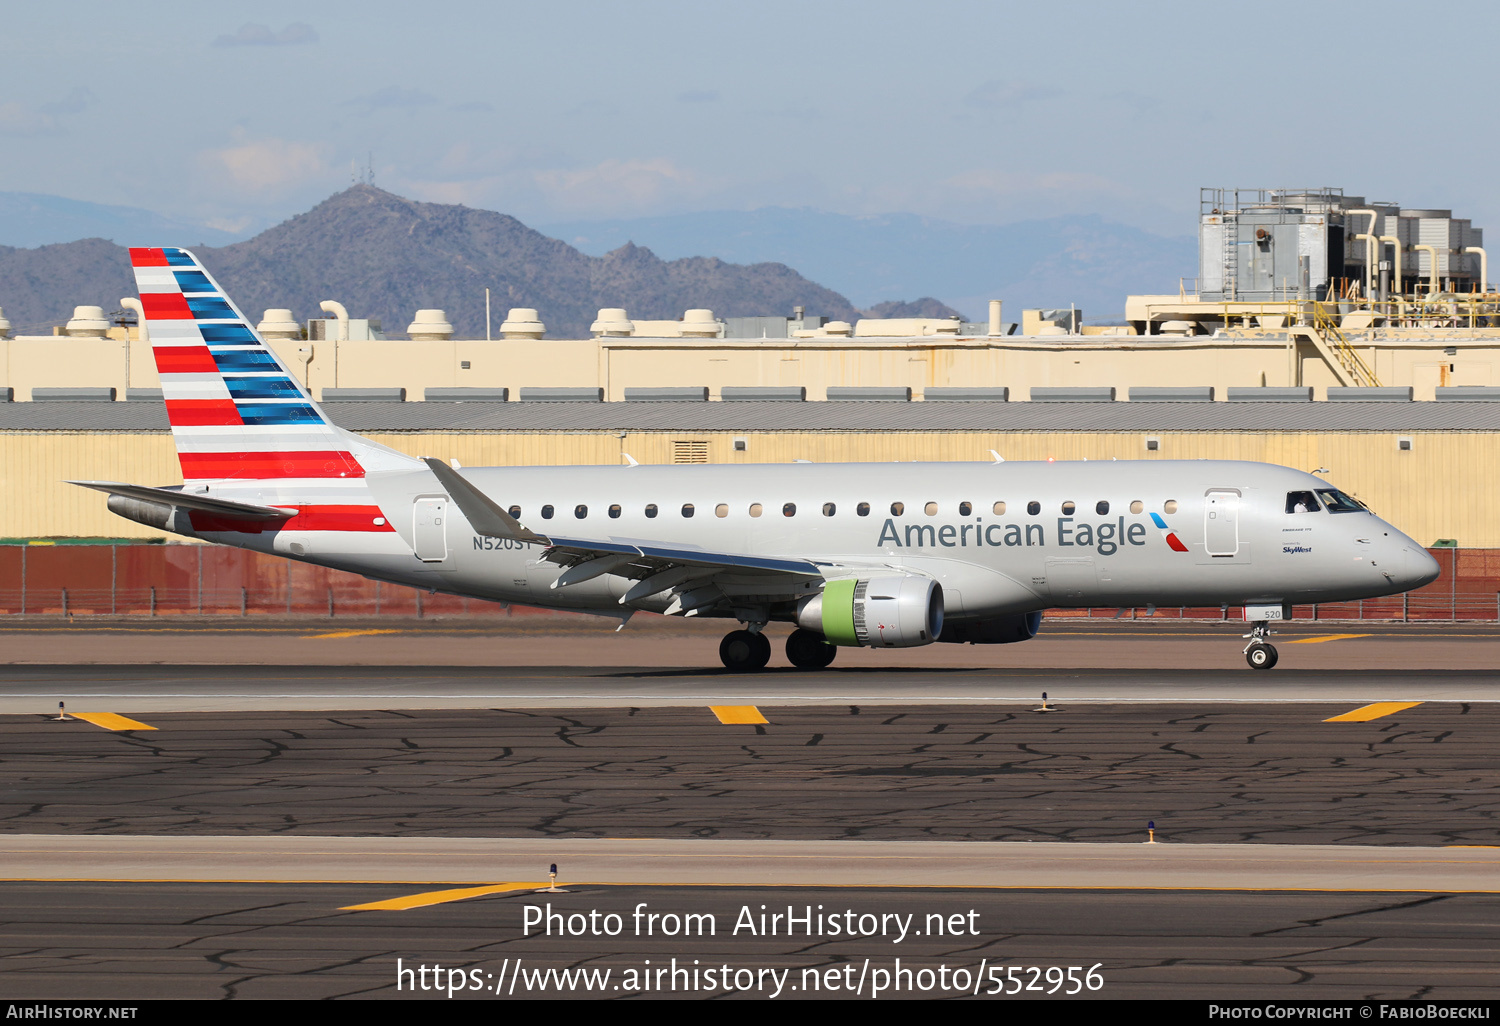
(998, 630)
(894, 611)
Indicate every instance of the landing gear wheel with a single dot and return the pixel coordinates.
(809, 650)
(1261, 656)
(742, 651)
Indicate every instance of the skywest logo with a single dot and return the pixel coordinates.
(1107, 538)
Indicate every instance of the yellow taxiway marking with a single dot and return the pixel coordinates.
(1366, 713)
(352, 634)
(440, 897)
(1326, 637)
(111, 721)
(738, 714)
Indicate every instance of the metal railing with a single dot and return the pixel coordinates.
(150, 581)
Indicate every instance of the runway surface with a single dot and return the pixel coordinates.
(236, 790)
(590, 643)
(523, 863)
(1203, 772)
(138, 941)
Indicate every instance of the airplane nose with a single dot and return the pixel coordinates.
(1418, 567)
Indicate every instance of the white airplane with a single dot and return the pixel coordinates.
(881, 555)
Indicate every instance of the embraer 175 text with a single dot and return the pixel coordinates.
(884, 555)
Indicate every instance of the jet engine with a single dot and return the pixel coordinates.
(997, 630)
(893, 611)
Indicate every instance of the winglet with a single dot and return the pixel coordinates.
(998, 457)
(485, 516)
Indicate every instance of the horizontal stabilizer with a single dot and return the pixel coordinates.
(189, 500)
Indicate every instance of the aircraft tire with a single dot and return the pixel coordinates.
(1261, 656)
(744, 652)
(808, 650)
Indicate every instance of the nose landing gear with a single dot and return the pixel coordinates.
(1260, 653)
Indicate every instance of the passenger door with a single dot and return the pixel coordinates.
(430, 528)
(1221, 522)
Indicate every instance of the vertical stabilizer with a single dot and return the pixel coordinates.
(237, 412)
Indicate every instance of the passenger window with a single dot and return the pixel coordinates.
(1170, 506)
(580, 511)
(1137, 506)
(687, 509)
(1101, 508)
(1033, 507)
(863, 509)
(1301, 502)
(614, 512)
(999, 509)
(829, 509)
(756, 509)
(650, 509)
(965, 508)
(898, 508)
(1338, 502)
(789, 510)
(515, 511)
(721, 510)
(547, 512)
(1068, 509)
(930, 509)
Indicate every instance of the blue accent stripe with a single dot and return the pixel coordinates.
(193, 281)
(278, 413)
(230, 360)
(209, 308)
(1159, 521)
(263, 388)
(177, 258)
(228, 334)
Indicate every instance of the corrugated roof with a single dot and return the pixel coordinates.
(812, 416)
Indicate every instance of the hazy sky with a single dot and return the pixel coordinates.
(244, 113)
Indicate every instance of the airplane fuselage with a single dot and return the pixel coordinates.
(1000, 538)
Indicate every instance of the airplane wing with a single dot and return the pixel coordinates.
(696, 578)
(189, 500)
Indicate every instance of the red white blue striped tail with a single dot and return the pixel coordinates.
(237, 413)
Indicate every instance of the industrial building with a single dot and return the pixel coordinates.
(1389, 379)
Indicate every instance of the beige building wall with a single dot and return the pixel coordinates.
(1423, 360)
(1436, 490)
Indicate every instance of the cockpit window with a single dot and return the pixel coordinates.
(1338, 502)
(1301, 502)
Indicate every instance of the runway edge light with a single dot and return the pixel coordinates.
(1151, 831)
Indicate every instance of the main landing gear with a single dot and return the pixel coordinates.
(809, 649)
(1260, 653)
(745, 651)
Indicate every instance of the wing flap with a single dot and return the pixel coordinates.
(574, 549)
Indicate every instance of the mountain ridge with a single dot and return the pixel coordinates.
(384, 257)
